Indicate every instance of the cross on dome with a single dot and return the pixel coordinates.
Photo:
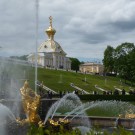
(50, 20)
(50, 31)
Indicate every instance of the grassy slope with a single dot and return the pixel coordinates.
(60, 80)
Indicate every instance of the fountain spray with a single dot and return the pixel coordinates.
(36, 34)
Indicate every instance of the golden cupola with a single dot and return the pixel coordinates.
(50, 31)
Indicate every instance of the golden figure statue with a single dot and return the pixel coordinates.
(60, 121)
(128, 115)
(30, 102)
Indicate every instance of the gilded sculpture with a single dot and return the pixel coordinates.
(30, 101)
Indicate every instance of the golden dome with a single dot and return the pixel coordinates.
(50, 31)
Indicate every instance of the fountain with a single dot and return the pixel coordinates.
(12, 76)
(68, 111)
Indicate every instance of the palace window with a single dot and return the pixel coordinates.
(45, 46)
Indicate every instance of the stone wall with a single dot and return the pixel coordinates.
(103, 122)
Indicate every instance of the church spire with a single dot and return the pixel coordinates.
(50, 31)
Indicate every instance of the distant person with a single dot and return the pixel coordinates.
(94, 92)
(123, 92)
(107, 92)
(104, 92)
(82, 92)
(60, 94)
(110, 92)
(116, 92)
(133, 92)
(71, 84)
(50, 95)
(76, 92)
(130, 92)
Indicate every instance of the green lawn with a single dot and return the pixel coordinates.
(60, 80)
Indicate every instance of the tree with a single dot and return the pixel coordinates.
(131, 65)
(108, 60)
(122, 62)
(75, 64)
(23, 57)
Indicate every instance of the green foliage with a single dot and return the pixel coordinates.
(34, 130)
(75, 64)
(122, 63)
(107, 97)
(108, 60)
(121, 60)
(23, 57)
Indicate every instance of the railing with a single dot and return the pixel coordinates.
(46, 88)
(100, 88)
(121, 90)
(80, 89)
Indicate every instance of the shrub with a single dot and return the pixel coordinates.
(89, 97)
(34, 130)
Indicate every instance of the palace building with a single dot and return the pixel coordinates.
(50, 53)
(90, 67)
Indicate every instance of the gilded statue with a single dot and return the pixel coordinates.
(30, 101)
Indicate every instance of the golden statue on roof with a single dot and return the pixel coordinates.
(50, 31)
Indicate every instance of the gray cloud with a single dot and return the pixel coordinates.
(84, 27)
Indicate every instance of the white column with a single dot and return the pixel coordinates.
(44, 61)
(54, 60)
(97, 69)
(57, 61)
(65, 63)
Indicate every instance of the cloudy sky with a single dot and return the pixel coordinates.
(84, 27)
